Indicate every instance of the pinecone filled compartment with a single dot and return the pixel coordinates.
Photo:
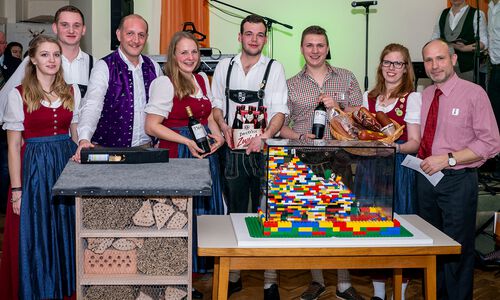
(135, 292)
(135, 214)
(134, 241)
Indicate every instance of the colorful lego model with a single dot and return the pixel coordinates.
(303, 204)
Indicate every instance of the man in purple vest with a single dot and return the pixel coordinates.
(112, 113)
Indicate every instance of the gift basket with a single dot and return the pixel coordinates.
(362, 125)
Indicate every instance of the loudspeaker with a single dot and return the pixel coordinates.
(119, 9)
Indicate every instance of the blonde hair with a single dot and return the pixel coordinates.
(183, 85)
(32, 89)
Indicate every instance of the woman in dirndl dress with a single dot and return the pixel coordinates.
(40, 115)
(167, 120)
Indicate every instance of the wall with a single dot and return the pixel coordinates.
(101, 9)
(403, 21)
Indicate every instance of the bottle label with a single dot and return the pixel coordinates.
(319, 117)
(98, 157)
(199, 131)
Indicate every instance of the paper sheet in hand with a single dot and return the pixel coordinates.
(413, 162)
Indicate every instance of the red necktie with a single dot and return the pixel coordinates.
(425, 149)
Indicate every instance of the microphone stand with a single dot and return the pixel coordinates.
(269, 24)
(367, 11)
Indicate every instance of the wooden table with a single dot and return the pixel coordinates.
(216, 238)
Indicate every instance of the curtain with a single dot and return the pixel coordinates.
(176, 12)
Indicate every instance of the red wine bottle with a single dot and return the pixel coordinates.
(319, 121)
(198, 132)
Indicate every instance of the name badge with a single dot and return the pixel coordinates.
(455, 111)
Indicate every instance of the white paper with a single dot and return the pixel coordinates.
(413, 162)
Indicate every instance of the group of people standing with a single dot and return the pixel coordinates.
(126, 99)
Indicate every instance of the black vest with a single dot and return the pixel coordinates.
(465, 59)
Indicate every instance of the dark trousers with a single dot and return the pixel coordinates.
(494, 90)
(4, 171)
(451, 207)
(242, 180)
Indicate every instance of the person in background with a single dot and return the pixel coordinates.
(69, 26)
(112, 113)
(245, 74)
(5, 67)
(166, 119)
(459, 133)
(494, 76)
(15, 49)
(457, 25)
(9, 65)
(394, 95)
(338, 89)
(39, 117)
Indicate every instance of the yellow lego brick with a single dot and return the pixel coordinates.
(336, 229)
(305, 229)
(274, 229)
(325, 224)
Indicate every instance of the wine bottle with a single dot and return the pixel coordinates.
(319, 121)
(238, 120)
(198, 132)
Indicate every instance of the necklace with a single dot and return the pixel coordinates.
(48, 93)
(384, 101)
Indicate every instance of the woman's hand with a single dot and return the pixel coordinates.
(193, 148)
(219, 141)
(16, 202)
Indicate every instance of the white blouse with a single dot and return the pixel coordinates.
(161, 95)
(413, 106)
(14, 114)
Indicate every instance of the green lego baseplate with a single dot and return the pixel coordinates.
(256, 230)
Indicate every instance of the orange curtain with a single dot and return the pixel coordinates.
(176, 12)
(483, 4)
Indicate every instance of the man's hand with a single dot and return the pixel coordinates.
(434, 164)
(328, 101)
(81, 144)
(255, 145)
(460, 46)
(228, 135)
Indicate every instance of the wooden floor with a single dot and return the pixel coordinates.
(292, 283)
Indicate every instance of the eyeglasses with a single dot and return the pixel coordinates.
(395, 64)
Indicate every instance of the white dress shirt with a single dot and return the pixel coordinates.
(14, 113)
(161, 95)
(413, 106)
(494, 32)
(276, 91)
(76, 71)
(92, 104)
(454, 19)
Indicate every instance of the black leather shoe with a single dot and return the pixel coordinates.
(196, 294)
(234, 287)
(272, 293)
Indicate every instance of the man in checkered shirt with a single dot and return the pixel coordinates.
(336, 88)
(317, 81)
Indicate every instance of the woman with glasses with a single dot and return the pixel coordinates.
(394, 95)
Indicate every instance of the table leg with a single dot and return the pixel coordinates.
(215, 278)
(430, 279)
(397, 282)
(223, 277)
